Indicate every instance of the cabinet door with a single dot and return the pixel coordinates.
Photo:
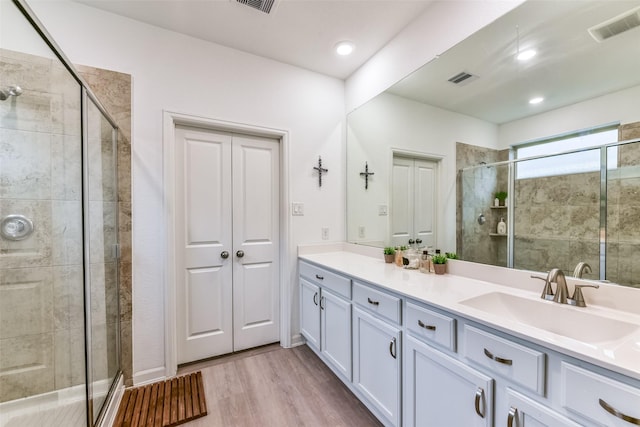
(525, 412)
(441, 391)
(310, 312)
(376, 364)
(336, 331)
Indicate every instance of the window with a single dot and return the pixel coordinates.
(580, 162)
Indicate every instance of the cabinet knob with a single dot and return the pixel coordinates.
(224, 254)
(240, 253)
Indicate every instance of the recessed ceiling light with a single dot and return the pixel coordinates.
(526, 55)
(536, 100)
(344, 48)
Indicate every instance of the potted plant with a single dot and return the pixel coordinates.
(439, 263)
(451, 255)
(389, 254)
(501, 196)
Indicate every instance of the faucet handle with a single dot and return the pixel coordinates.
(547, 292)
(578, 299)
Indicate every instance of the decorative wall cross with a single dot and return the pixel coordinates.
(320, 170)
(366, 174)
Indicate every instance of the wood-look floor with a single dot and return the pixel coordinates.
(273, 386)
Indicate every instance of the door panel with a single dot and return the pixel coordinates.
(425, 202)
(203, 214)
(256, 228)
(401, 201)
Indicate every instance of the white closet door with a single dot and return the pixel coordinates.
(413, 201)
(203, 215)
(256, 224)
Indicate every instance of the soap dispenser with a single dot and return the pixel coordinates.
(502, 227)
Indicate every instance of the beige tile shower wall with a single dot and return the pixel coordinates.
(476, 190)
(623, 204)
(557, 222)
(41, 283)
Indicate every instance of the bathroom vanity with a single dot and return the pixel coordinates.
(428, 350)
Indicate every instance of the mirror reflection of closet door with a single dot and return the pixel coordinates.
(413, 200)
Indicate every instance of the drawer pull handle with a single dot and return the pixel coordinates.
(372, 302)
(319, 277)
(497, 359)
(479, 401)
(513, 413)
(322, 303)
(392, 347)
(315, 298)
(610, 409)
(423, 325)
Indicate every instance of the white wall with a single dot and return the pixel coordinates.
(440, 27)
(621, 106)
(186, 75)
(391, 122)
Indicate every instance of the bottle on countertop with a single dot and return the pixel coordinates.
(424, 262)
(398, 256)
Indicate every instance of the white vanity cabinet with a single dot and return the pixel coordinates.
(441, 391)
(325, 316)
(525, 412)
(377, 350)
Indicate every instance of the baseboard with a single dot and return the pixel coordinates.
(297, 340)
(149, 376)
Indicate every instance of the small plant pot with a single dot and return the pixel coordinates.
(389, 258)
(440, 268)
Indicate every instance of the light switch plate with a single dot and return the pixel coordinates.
(297, 209)
(382, 210)
(325, 233)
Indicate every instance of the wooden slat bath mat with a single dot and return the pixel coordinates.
(163, 404)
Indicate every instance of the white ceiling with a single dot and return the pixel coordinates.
(297, 32)
(570, 66)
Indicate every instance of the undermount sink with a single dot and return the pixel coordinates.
(552, 317)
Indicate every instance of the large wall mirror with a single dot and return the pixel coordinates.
(426, 157)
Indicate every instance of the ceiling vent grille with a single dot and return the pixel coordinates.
(617, 25)
(262, 5)
(463, 78)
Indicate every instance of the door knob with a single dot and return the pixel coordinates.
(240, 253)
(224, 254)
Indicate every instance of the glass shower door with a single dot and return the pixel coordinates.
(102, 229)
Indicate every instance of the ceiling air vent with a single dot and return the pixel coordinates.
(463, 78)
(262, 5)
(617, 25)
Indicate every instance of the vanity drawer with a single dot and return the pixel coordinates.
(377, 302)
(340, 285)
(515, 362)
(598, 398)
(430, 326)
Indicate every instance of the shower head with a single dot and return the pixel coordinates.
(10, 91)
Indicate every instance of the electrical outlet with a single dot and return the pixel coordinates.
(325, 233)
(361, 232)
(297, 209)
(382, 210)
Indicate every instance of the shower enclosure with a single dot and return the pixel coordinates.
(59, 314)
(562, 209)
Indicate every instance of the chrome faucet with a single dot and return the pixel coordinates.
(582, 267)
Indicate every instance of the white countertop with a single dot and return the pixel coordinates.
(447, 291)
